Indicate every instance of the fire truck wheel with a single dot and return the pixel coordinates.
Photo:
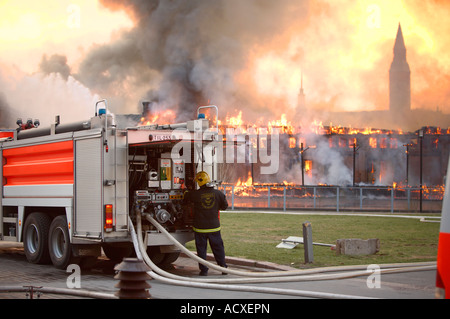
(60, 248)
(116, 252)
(161, 259)
(35, 238)
(169, 258)
(155, 254)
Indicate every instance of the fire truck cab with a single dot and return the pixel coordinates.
(70, 191)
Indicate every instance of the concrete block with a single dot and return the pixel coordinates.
(356, 246)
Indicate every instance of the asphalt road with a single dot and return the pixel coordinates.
(16, 271)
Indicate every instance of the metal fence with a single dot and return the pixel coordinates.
(335, 198)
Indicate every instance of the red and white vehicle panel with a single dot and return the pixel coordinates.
(69, 190)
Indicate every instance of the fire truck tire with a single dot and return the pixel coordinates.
(35, 238)
(116, 252)
(161, 259)
(155, 254)
(170, 258)
(60, 248)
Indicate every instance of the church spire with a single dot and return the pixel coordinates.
(301, 84)
(399, 78)
(301, 97)
(399, 47)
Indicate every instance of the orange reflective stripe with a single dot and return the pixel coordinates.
(50, 163)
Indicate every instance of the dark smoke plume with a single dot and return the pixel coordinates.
(56, 63)
(187, 53)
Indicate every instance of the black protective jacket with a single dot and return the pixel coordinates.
(207, 204)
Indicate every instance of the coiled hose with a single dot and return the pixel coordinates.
(257, 277)
(387, 267)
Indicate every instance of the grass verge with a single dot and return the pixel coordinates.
(256, 235)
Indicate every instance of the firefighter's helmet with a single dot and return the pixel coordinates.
(202, 178)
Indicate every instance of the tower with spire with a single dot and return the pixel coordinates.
(399, 78)
(301, 97)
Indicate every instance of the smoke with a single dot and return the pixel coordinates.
(189, 53)
(55, 64)
(251, 55)
(335, 171)
(43, 95)
(117, 71)
(5, 116)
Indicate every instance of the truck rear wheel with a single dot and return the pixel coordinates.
(59, 245)
(170, 258)
(35, 238)
(116, 252)
(161, 259)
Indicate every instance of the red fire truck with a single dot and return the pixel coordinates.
(70, 191)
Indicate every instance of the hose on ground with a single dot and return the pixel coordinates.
(59, 291)
(165, 277)
(226, 284)
(303, 272)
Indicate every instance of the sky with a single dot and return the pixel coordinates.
(30, 29)
(61, 56)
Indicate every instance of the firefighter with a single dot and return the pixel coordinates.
(207, 205)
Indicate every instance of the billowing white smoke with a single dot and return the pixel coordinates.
(334, 170)
(43, 96)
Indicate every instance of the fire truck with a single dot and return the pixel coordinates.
(70, 191)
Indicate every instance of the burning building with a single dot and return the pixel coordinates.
(313, 154)
(331, 155)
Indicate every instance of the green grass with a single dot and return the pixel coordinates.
(255, 236)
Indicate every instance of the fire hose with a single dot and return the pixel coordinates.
(257, 277)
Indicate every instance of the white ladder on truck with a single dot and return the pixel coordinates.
(121, 178)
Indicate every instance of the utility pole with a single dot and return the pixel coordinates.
(421, 134)
(354, 162)
(407, 162)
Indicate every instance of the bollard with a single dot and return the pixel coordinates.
(133, 279)
(308, 242)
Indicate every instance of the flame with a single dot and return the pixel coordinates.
(345, 137)
(292, 142)
(234, 121)
(433, 193)
(308, 165)
(162, 117)
(248, 182)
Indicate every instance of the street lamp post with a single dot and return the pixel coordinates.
(354, 161)
(407, 162)
(421, 134)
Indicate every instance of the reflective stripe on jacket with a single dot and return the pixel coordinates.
(211, 230)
